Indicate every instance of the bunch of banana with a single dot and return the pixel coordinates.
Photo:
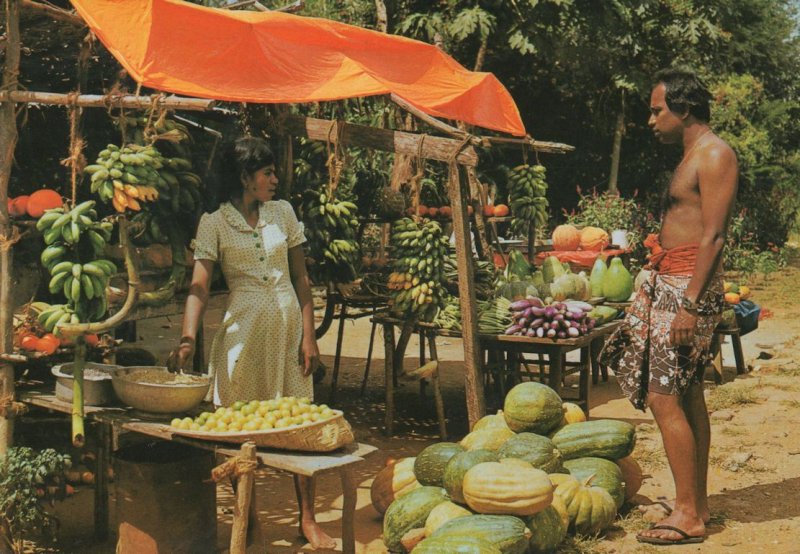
(145, 229)
(449, 317)
(129, 175)
(62, 229)
(159, 129)
(54, 315)
(419, 250)
(527, 195)
(331, 230)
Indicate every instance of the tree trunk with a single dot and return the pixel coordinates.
(381, 17)
(8, 140)
(481, 56)
(619, 131)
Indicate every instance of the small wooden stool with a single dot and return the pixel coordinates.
(716, 349)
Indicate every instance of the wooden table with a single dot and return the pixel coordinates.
(116, 420)
(556, 351)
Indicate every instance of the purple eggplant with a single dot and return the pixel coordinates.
(528, 313)
(530, 333)
(573, 332)
(538, 322)
(540, 332)
(538, 311)
(513, 329)
(558, 317)
(523, 322)
(565, 324)
(551, 333)
(550, 312)
(536, 302)
(561, 334)
(546, 325)
(519, 306)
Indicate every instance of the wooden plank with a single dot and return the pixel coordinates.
(103, 101)
(101, 483)
(399, 142)
(244, 495)
(476, 406)
(388, 344)
(53, 12)
(349, 487)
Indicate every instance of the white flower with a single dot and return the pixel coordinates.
(664, 380)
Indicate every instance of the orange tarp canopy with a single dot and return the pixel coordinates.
(273, 57)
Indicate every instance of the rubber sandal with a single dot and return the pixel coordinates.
(685, 537)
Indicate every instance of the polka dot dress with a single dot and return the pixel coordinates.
(255, 353)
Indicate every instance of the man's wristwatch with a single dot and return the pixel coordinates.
(689, 305)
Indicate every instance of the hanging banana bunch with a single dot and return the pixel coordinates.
(417, 280)
(331, 230)
(131, 175)
(528, 198)
(144, 129)
(75, 242)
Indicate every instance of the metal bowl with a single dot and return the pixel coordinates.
(147, 388)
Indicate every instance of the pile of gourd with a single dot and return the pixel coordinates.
(519, 482)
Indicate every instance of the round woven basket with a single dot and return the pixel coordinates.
(320, 436)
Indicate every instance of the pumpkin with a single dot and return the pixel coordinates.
(538, 451)
(532, 407)
(607, 475)
(593, 238)
(443, 513)
(487, 439)
(573, 413)
(491, 421)
(495, 488)
(591, 509)
(566, 237)
(458, 466)
(617, 282)
(456, 544)
(430, 463)
(18, 206)
(392, 482)
(602, 438)
(508, 533)
(409, 512)
(549, 529)
(597, 275)
(631, 475)
(42, 200)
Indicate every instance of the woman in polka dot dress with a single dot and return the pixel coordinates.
(266, 346)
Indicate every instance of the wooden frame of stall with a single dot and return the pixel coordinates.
(457, 150)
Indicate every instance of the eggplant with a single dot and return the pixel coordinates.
(528, 313)
(546, 325)
(551, 333)
(523, 322)
(513, 329)
(538, 311)
(550, 312)
(538, 322)
(558, 317)
(536, 302)
(540, 332)
(531, 332)
(573, 332)
(561, 334)
(565, 324)
(519, 306)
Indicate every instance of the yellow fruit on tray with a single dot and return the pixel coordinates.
(744, 292)
(732, 298)
(257, 415)
(726, 286)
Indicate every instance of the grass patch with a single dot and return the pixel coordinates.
(791, 403)
(650, 455)
(632, 522)
(718, 519)
(580, 545)
(793, 371)
(733, 431)
(730, 395)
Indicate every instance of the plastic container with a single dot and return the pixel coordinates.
(747, 314)
(97, 387)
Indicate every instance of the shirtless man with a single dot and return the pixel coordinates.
(661, 352)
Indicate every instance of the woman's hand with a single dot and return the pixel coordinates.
(309, 355)
(181, 358)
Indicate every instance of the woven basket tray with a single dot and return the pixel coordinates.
(320, 436)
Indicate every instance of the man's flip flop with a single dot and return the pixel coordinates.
(685, 537)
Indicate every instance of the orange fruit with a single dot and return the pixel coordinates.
(732, 298)
(423, 210)
(446, 211)
(29, 341)
(41, 200)
(18, 206)
(469, 210)
(488, 210)
(501, 210)
(48, 344)
(433, 212)
(92, 339)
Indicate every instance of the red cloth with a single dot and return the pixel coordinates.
(582, 258)
(273, 57)
(679, 260)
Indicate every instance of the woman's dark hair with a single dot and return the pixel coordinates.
(240, 159)
(685, 92)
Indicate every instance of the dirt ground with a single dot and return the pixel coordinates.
(754, 479)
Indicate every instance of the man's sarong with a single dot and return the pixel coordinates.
(639, 351)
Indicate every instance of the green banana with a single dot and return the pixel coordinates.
(52, 253)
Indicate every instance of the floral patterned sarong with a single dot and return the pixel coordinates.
(639, 351)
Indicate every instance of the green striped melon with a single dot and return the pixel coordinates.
(549, 529)
(409, 512)
(430, 463)
(508, 533)
(602, 438)
(535, 449)
(607, 475)
(456, 544)
(458, 466)
(532, 407)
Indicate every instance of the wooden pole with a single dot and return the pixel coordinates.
(53, 12)
(8, 140)
(616, 150)
(244, 495)
(107, 101)
(466, 290)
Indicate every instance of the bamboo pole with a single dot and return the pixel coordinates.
(129, 101)
(244, 496)
(8, 140)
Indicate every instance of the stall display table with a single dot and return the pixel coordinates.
(116, 420)
(556, 350)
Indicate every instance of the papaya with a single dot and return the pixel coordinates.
(617, 282)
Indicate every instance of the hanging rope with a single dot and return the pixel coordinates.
(416, 179)
(335, 162)
(233, 468)
(76, 160)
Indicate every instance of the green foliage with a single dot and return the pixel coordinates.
(743, 254)
(24, 475)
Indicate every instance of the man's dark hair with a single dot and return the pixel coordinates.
(685, 92)
(242, 158)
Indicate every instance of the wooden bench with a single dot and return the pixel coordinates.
(115, 420)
